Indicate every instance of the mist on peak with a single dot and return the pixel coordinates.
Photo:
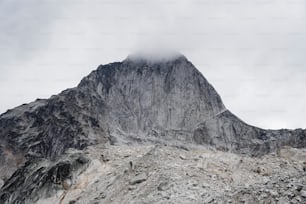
(154, 55)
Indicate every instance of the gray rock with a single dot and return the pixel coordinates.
(131, 188)
(182, 157)
(209, 200)
(41, 178)
(102, 195)
(303, 193)
(138, 179)
(227, 132)
(273, 193)
(299, 187)
(163, 186)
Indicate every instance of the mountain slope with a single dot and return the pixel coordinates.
(118, 102)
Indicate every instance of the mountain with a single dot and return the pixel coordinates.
(136, 101)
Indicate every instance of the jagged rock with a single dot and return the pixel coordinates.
(303, 193)
(138, 179)
(163, 186)
(283, 200)
(182, 157)
(102, 195)
(273, 193)
(41, 178)
(209, 200)
(131, 188)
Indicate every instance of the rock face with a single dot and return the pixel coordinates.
(42, 178)
(227, 132)
(133, 101)
(152, 101)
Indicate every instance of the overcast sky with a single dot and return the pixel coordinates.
(252, 51)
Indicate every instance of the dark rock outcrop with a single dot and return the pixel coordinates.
(41, 178)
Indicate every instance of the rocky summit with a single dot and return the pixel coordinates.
(145, 131)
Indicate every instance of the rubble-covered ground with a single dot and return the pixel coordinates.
(164, 174)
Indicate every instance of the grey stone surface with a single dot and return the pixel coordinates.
(41, 178)
(228, 132)
(303, 193)
(205, 176)
(138, 179)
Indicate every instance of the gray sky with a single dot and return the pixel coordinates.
(251, 51)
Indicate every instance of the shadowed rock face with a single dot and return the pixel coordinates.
(144, 100)
(136, 100)
(41, 178)
(229, 133)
